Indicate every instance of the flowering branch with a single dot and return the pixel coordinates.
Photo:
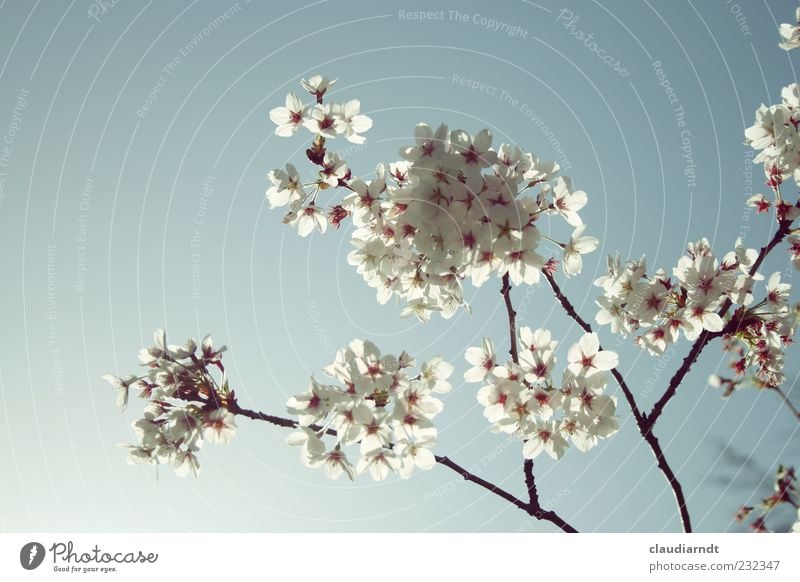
(784, 226)
(645, 429)
(570, 310)
(784, 494)
(532, 507)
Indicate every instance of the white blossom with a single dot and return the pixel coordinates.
(290, 118)
(186, 403)
(377, 409)
(522, 399)
(790, 33)
(453, 209)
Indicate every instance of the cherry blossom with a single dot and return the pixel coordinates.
(657, 309)
(790, 33)
(576, 246)
(219, 426)
(186, 403)
(122, 387)
(286, 188)
(784, 493)
(568, 203)
(482, 360)
(351, 123)
(324, 120)
(775, 136)
(318, 85)
(586, 357)
(523, 400)
(453, 209)
(290, 118)
(309, 218)
(378, 409)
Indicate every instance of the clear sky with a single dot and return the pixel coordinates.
(129, 126)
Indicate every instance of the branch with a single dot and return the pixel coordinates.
(531, 509)
(787, 402)
(570, 309)
(706, 337)
(234, 408)
(533, 503)
(641, 421)
(512, 318)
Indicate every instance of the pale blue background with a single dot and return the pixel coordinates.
(283, 304)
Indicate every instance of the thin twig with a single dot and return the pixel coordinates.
(234, 408)
(529, 508)
(786, 401)
(641, 421)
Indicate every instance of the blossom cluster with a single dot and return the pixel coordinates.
(328, 120)
(775, 135)
(785, 493)
(758, 338)
(324, 121)
(378, 409)
(659, 307)
(522, 399)
(186, 404)
(453, 208)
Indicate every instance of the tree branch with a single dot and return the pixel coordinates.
(512, 319)
(641, 421)
(530, 508)
(234, 408)
(787, 402)
(533, 501)
(672, 388)
(570, 309)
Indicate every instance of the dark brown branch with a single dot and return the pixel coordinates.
(532, 507)
(467, 476)
(533, 501)
(530, 482)
(529, 508)
(570, 310)
(706, 337)
(234, 408)
(512, 319)
(565, 303)
(641, 421)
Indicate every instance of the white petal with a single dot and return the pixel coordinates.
(605, 360)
